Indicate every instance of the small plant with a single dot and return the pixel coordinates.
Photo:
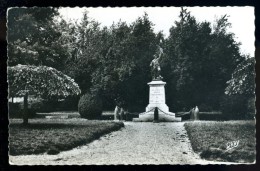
(90, 106)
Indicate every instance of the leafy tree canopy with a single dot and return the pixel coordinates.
(34, 38)
(243, 79)
(197, 62)
(201, 59)
(40, 81)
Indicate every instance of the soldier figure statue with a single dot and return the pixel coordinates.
(156, 69)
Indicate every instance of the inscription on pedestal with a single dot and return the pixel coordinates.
(156, 99)
(157, 94)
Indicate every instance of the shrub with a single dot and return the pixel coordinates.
(41, 105)
(68, 104)
(48, 105)
(15, 110)
(211, 116)
(205, 108)
(90, 106)
(36, 105)
(234, 106)
(251, 108)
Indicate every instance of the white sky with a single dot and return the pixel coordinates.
(241, 18)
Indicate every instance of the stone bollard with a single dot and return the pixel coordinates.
(192, 114)
(122, 114)
(156, 115)
(116, 113)
(196, 113)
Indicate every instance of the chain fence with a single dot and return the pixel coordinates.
(154, 109)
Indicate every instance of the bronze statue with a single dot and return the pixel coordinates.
(155, 66)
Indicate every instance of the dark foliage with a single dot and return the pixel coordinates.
(236, 107)
(90, 106)
(34, 38)
(15, 110)
(199, 57)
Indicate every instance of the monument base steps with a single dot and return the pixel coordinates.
(157, 100)
(149, 117)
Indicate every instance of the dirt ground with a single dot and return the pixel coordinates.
(137, 143)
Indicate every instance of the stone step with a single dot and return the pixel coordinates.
(175, 119)
(149, 117)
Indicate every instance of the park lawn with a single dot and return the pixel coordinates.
(210, 138)
(55, 135)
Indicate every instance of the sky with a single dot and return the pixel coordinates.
(241, 18)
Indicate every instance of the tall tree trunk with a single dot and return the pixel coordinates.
(25, 109)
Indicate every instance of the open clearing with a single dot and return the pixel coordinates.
(137, 143)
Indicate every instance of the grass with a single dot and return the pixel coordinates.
(55, 135)
(69, 114)
(210, 138)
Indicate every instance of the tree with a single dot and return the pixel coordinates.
(124, 70)
(88, 43)
(34, 38)
(40, 81)
(114, 62)
(201, 60)
(243, 79)
(115, 65)
(240, 90)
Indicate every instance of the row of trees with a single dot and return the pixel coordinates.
(113, 62)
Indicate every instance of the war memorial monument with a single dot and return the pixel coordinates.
(157, 109)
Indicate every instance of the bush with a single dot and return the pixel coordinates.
(211, 116)
(234, 106)
(15, 110)
(204, 107)
(68, 104)
(36, 105)
(47, 105)
(90, 106)
(41, 105)
(207, 116)
(251, 108)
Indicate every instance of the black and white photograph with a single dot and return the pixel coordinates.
(131, 85)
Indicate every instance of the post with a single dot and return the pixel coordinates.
(196, 113)
(192, 114)
(156, 115)
(116, 113)
(25, 109)
(122, 114)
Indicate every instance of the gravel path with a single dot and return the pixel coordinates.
(137, 143)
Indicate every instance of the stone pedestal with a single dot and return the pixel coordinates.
(157, 99)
